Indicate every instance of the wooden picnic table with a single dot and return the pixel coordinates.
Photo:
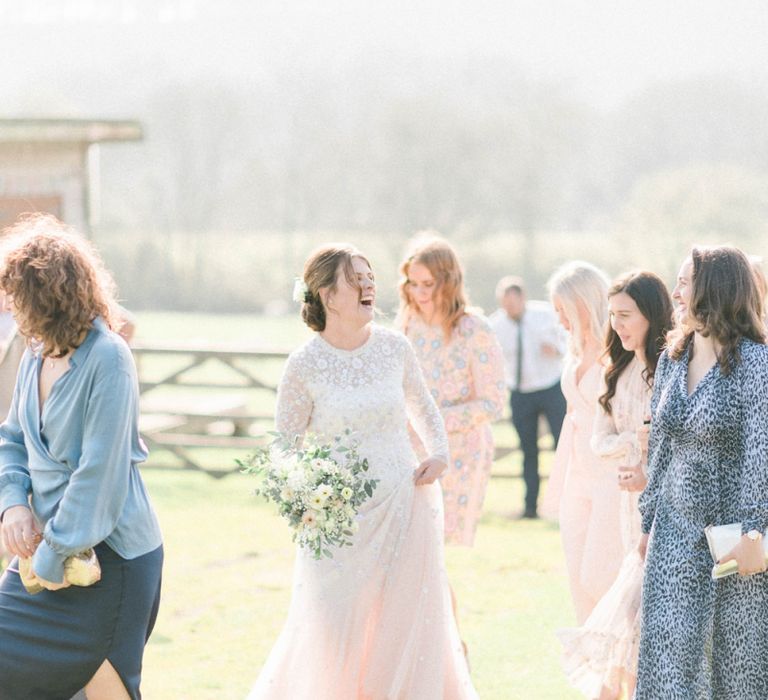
(188, 417)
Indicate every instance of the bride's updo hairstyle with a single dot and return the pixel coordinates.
(321, 271)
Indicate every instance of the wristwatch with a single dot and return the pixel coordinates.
(755, 535)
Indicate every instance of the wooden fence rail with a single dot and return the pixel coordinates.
(201, 408)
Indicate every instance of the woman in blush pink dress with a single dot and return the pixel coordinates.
(600, 657)
(463, 367)
(588, 501)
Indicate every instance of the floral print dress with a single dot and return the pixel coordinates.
(465, 375)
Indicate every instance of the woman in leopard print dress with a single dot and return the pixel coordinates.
(708, 464)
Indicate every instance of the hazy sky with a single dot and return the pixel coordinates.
(603, 50)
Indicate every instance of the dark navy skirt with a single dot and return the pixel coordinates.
(52, 643)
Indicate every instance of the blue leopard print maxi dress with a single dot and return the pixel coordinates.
(708, 464)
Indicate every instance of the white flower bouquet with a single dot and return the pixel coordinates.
(318, 488)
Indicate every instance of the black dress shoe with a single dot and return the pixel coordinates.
(530, 514)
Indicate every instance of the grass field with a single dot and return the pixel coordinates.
(229, 559)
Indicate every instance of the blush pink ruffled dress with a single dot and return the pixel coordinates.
(585, 494)
(600, 657)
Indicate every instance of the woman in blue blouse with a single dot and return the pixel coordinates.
(69, 480)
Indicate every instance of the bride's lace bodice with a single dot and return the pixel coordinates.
(372, 391)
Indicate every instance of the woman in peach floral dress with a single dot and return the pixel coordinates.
(462, 364)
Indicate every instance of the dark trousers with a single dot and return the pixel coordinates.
(527, 408)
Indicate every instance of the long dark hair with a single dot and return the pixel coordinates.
(725, 304)
(654, 303)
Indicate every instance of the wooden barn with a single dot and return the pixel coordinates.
(52, 165)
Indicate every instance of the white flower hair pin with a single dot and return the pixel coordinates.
(300, 291)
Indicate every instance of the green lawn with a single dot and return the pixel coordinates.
(240, 330)
(227, 584)
(229, 560)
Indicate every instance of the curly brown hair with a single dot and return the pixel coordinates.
(725, 304)
(57, 282)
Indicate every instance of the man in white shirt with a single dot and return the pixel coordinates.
(534, 348)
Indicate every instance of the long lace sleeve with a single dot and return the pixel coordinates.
(659, 450)
(486, 361)
(421, 408)
(615, 448)
(753, 491)
(294, 403)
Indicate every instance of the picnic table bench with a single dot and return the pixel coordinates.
(197, 399)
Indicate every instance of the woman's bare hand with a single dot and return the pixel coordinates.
(632, 479)
(20, 532)
(749, 555)
(428, 471)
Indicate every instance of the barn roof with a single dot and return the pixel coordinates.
(69, 130)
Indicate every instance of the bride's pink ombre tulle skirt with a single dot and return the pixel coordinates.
(375, 622)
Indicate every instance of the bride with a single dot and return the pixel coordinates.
(374, 622)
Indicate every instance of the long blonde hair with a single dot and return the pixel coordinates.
(575, 282)
(439, 257)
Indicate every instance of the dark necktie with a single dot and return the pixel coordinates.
(519, 368)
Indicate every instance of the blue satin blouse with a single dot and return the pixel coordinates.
(76, 462)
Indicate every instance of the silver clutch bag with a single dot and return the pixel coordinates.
(721, 540)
